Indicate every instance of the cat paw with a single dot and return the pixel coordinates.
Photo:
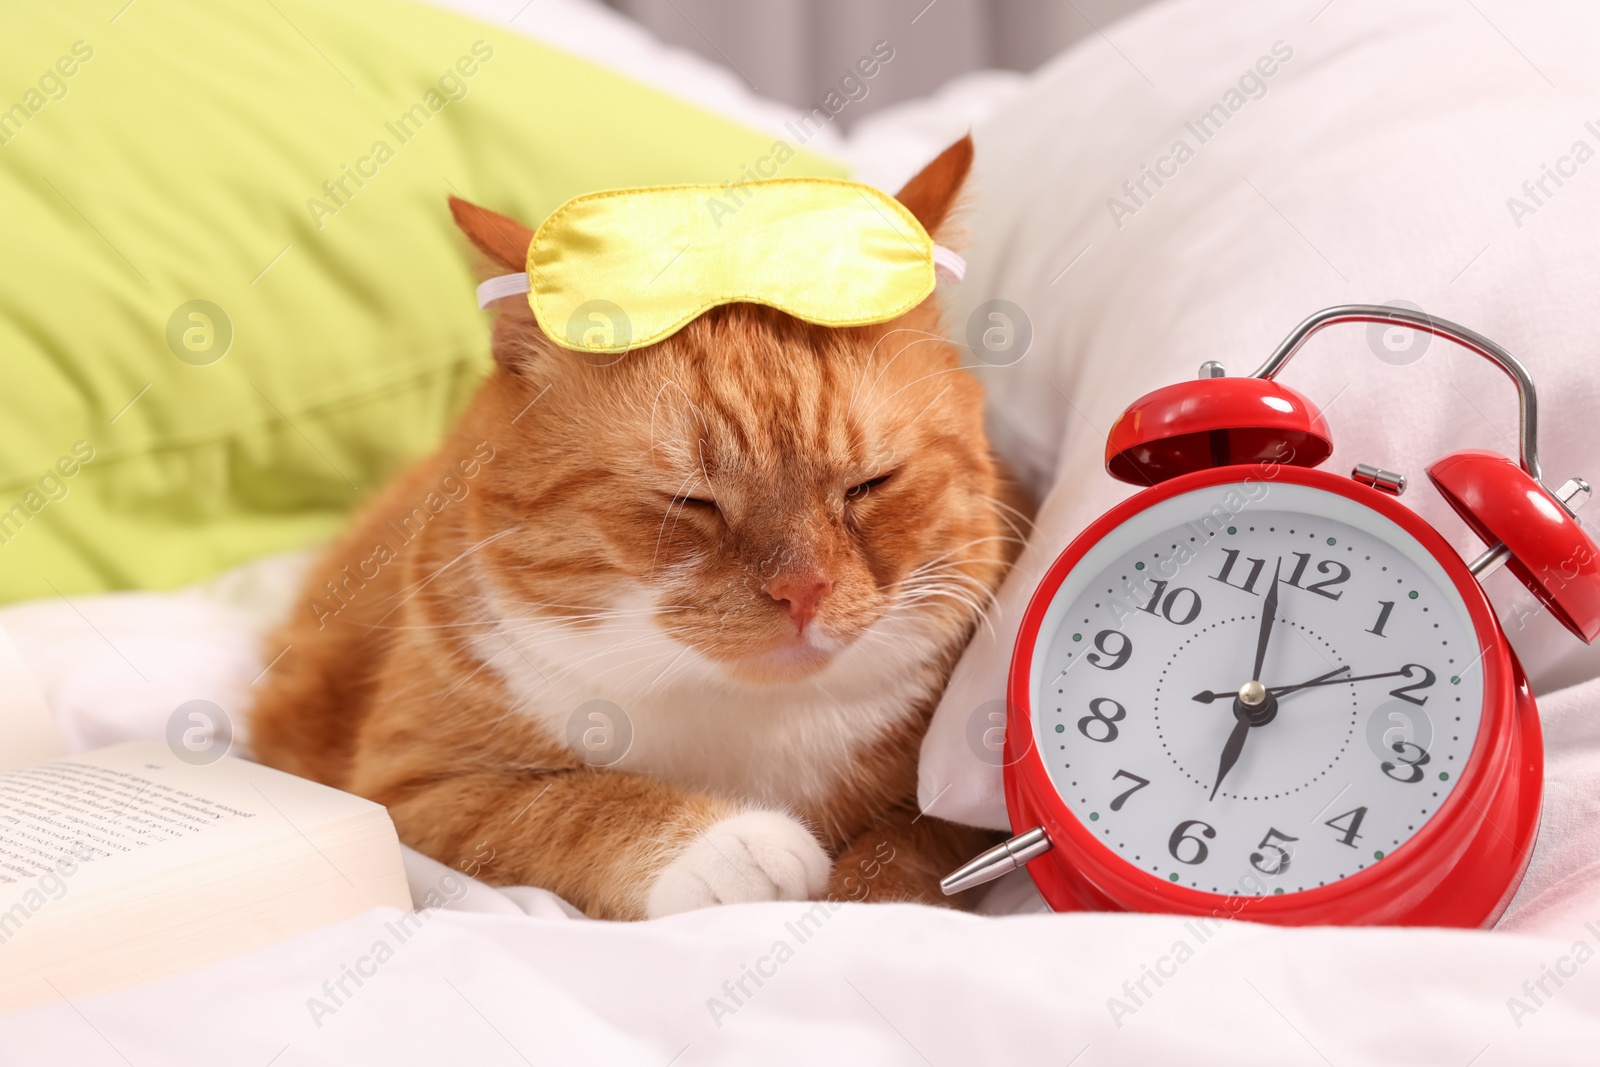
(759, 855)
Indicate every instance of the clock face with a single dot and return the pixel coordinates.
(1369, 700)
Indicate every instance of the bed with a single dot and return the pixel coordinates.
(1376, 163)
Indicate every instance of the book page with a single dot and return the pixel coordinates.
(130, 862)
(27, 729)
(128, 811)
(78, 810)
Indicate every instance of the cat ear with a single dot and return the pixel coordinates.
(517, 342)
(503, 240)
(930, 195)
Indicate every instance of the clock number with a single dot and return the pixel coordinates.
(1194, 606)
(1328, 566)
(1354, 816)
(1383, 618)
(1249, 585)
(1413, 765)
(1181, 834)
(1405, 691)
(1321, 588)
(1278, 863)
(1168, 603)
(1096, 715)
(1117, 801)
(1118, 657)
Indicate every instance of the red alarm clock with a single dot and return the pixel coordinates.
(1261, 689)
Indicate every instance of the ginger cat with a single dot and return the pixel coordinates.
(665, 632)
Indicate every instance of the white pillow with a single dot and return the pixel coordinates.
(1374, 163)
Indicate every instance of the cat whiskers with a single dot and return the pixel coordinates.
(855, 389)
(655, 406)
(624, 645)
(1004, 513)
(515, 623)
(695, 415)
(953, 580)
(938, 579)
(936, 398)
(918, 644)
(944, 564)
(676, 509)
(545, 632)
(942, 370)
(934, 592)
(404, 595)
(664, 673)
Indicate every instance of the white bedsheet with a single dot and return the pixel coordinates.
(489, 983)
(514, 976)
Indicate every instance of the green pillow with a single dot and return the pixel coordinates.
(232, 301)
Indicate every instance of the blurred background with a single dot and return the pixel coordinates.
(797, 50)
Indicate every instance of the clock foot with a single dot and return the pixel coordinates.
(1004, 858)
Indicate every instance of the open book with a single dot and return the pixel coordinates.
(124, 864)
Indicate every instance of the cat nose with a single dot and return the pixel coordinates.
(800, 593)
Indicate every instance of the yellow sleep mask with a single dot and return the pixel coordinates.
(612, 271)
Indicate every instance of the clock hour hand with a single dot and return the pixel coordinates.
(1231, 750)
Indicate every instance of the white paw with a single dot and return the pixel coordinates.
(759, 855)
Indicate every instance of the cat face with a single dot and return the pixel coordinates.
(776, 491)
(794, 486)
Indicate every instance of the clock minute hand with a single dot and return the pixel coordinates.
(1321, 679)
(1280, 690)
(1206, 696)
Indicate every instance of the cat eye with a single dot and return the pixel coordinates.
(694, 502)
(867, 486)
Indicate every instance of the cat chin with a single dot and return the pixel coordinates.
(779, 667)
(789, 662)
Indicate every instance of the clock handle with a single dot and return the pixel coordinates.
(1002, 859)
(1523, 521)
(1528, 409)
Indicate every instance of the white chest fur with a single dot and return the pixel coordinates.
(683, 720)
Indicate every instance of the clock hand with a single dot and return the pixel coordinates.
(1231, 750)
(1253, 704)
(1321, 679)
(1279, 690)
(1206, 696)
(1269, 615)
